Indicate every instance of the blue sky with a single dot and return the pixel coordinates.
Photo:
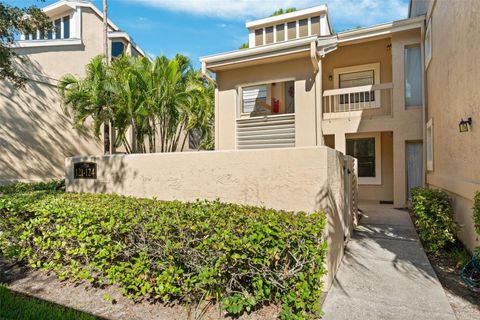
(201, 27)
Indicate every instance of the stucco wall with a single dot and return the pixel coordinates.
(452, 79)
(297, 179)
(300, 70)
(406, 124)
(35, 134)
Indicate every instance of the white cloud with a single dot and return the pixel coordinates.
(342, 12)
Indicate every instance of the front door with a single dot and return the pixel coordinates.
(414, 155)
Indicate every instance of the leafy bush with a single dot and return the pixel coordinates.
(434, 218)
(476, 212)
(36, 186)
(240, 256)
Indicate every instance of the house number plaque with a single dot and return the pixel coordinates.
(85, 170)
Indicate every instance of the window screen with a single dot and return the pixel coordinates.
(251, 97)
(258, 37)
(292, 30)
(280, 32)
(315, 22)
(303, 27)
(269, 35)
(364, 151)
(58, 29)
(357, 79)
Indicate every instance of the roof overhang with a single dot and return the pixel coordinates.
(126, 37)
(295, 15)
(379, 31)
(263, 54)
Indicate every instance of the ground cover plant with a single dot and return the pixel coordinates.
(14, 306)
(54, 185)
(434, 218)
(240, 257)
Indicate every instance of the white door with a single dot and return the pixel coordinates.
(414, 155)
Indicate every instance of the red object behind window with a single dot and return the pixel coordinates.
(276, 106)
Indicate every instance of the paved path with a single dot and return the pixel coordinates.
(385, 273)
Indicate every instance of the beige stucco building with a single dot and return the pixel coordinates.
(452, 78)
(35, 134)
(300, 85)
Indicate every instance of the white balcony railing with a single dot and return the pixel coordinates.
(273, 131)
(365, 101)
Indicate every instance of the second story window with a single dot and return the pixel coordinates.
(66, 27)
(118, 48)
(357, 79)
(58, 28)
(268, 99)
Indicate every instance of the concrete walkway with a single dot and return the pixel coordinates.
(385, 273)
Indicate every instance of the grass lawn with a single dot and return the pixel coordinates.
(15, 306)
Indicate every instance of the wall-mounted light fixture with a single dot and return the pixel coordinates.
(330, 77)
(464, 125)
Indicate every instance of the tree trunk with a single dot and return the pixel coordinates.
(107, 147)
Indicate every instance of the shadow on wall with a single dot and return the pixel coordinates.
(35, 135)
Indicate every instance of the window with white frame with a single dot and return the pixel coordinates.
(357, 76)
(413, 76)
(366, 148)
(429, 145)
(268, 99)
(60, 30)
(428, 43)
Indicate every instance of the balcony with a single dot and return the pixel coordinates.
(272, 131)
(364, 101)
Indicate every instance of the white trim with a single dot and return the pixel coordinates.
(381, 29)
(377, 180)
(47, 43)
(361, 67)
(264, 36)
(274, 33)
(309, 26)
(297, 29)
(428, 40)
(429, 145)
(287, 16)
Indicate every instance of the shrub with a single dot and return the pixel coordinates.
(242, 257)
(476, 212)
(36, 186)
(434, 218)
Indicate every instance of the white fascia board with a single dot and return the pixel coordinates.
(286, 16)
(381, 29)
(126, 36)
(265, 49)
(47, 43)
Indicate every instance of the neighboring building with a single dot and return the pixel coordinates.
(300, 85)
(35, 135)
(452, 84)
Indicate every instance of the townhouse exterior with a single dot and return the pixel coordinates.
(300, 85)
(36, 135)
(452, 77)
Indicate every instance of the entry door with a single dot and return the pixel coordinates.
(414, 154)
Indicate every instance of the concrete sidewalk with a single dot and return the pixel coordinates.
(385, 273)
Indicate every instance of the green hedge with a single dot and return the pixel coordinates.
(240, 256)
(37, 186)
(476, 212)
(434, 218)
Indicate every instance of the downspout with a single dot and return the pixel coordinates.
(206, 75)
(313, 55)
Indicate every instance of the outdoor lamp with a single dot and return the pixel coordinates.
(463, 125)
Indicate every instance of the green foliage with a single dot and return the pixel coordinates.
(14, 20)
(434, 218)
(281, 11)
(476, 212)
(244, 46)
(165, 98)
(14, 306)
(242, 257)
(36, 186)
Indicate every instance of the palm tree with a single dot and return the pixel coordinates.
(88, 97)
(165, 99)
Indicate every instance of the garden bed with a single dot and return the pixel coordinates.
(239, 258)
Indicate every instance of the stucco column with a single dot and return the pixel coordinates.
(399, 173)
(318, 105)
(340, 143)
